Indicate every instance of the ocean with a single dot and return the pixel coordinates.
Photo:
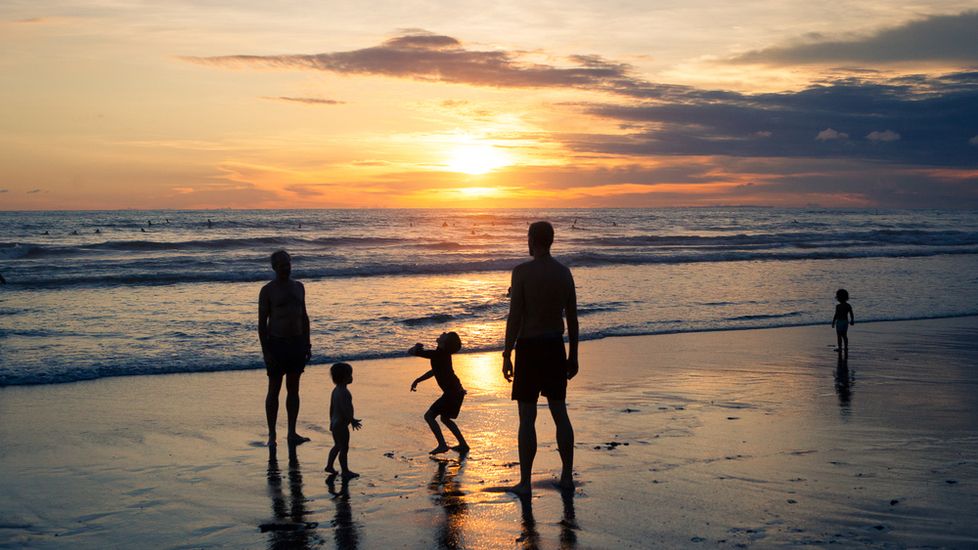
(120, 293)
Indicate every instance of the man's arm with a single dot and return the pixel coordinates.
(305, 323)
(513, 322)
(573, 329)
(263, 312)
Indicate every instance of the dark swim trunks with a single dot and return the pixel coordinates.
(541, 368)
(288, 355)
(448, 405)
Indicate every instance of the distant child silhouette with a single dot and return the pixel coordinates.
(341, 418)
(843, 318)
(450, 403)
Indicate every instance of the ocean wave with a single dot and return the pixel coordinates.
(167, 272)
(77, 373)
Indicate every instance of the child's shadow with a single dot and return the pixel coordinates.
(345, 531)
(446, 491)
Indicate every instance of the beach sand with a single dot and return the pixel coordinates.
(718, 439)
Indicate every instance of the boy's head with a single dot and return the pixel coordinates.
(342, 373)
(842, 295)
(450, 342)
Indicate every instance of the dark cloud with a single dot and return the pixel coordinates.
(909, 120)
(307, 100)
(426, 56)
(949, 38)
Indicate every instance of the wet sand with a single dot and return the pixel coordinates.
(725, 439)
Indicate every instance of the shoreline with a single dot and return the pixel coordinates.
(729, 439)
(481, 351)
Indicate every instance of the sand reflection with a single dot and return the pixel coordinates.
(289, 529)
(844, 379)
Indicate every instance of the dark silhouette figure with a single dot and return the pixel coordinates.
(289, 529)
(75, 232)
(449, 404)
(142, 229)
(97, 230)
(541, 295)
(345, 532)
(149, 223)
(210, 224)
(2, 280)
(447, 493)
(46, 233)
(341, 419)
(842, 319)
(844, 380)
(283, 329)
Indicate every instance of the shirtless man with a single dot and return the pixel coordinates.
(542, 293)
(283, 328)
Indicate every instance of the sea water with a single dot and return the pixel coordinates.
(94, 294)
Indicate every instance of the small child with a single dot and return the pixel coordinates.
(843, 318)
(341, 418)
(450, 403)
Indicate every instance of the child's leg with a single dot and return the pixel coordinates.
(343, 443)
(838, 340)
(453, 427)
(430, 417)
(845, 338)
(332, 454)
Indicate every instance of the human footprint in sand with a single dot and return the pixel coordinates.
(450, 403)
(283, 329)
(341, 419)
(541, 295)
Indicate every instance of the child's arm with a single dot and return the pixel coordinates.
(852, 317)
(346, 410)
(420, 379)
(418, 351)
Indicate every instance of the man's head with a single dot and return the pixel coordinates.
(341, 373)
(540, 237)
(282, 264)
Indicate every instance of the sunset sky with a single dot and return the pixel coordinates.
(213, 104)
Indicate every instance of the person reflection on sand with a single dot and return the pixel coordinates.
(844, 378)
(289, 529)
(529, 536)
(345, 532)
(447, 493)
(568, 523)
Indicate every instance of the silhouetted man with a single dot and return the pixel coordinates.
(283, 328)
(542, 293)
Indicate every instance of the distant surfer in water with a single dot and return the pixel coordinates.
(283, 329)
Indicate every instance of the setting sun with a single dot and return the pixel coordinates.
(476, 159)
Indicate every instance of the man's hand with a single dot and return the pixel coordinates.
(572, 367)
(507, 368)
(356, 424)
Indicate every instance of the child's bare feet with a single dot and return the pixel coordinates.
(443, 448)
(330, 469)
(349, 474)
(461, 449)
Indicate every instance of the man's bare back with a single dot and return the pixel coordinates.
(542, 290)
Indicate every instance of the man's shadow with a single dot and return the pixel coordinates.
(447, 493)
(345, 532)
(845, 378)
(289, 529)
(529, 538)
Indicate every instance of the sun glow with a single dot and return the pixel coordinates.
(476, 158)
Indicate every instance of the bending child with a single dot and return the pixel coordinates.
(341, 418)
(450, 403)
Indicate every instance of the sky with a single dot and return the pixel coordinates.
(113, 104)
